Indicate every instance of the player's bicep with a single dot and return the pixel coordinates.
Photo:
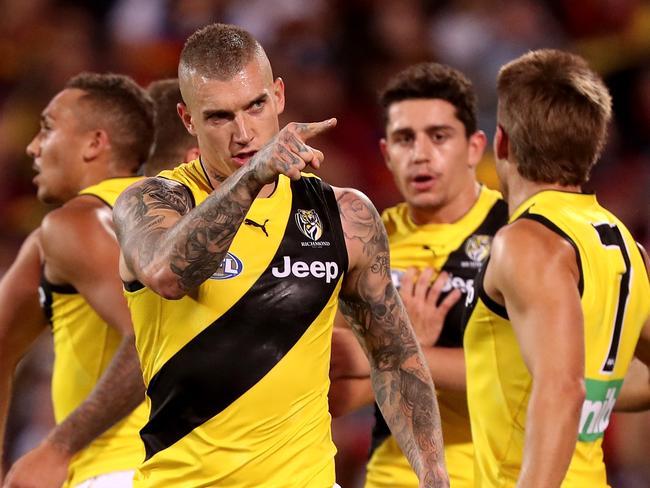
(369, 301)
(143, 213)
(542, 299)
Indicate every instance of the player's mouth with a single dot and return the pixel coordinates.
(243, 157)
(36, 170)
(422, 182)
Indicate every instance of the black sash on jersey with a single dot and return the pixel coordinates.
(239, 348)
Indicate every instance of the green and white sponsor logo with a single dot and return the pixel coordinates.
(597, 408)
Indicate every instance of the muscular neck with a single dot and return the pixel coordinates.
(450, 212)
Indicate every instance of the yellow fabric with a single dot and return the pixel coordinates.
(423, 246)
(108, 190)
(83, 347)
(277, 433)
(498, 381)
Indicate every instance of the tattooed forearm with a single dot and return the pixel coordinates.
(400, 377)
(194, 246)
(402, 385)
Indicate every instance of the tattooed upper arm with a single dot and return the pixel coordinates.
(143, 212)
(369, 300)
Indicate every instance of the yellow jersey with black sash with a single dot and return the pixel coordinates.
(84, 346)
(614, 293)
(458, 248)
(237, 372)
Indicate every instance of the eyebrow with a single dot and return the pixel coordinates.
(429, 128)
(229, 114)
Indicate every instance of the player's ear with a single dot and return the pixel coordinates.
(186, 117)
(383, 147)
(278, 93)
(477, 143)
(501, 143)
(97, 142)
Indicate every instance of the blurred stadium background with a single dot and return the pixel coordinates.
(333, 55)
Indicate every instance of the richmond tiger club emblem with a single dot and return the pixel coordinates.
(477, 248)
(311, 226)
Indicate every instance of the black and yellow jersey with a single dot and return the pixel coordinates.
(84, 346)
(614, 292)
(237, 371)
(458, 248)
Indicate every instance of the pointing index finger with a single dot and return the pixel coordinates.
(312, 129)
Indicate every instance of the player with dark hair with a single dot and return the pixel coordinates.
(234, 265)
(94, 135)
(560, 307)
(172, 143)
(442, 230)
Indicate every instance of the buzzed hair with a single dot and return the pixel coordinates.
(123, 109)
(433, 81)
(218, 51)
(171, 138)
(555, 111)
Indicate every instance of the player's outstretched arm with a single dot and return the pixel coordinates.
(21, 319)
(79, 249)
(546, 316)
(172, 248)
(400, 378)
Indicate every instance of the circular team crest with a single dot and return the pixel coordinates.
(309, 224)
(477, 247)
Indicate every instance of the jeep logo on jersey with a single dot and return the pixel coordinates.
(309, 224)
(477, 247)
(300, 269)
(230, 267)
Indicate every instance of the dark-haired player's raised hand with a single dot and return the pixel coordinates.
(420, 298)
(288, 153)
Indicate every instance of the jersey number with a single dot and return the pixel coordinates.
(611, 236)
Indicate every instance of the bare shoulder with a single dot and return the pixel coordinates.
(527, 248)
(362, 224)
(77, 231)
(77, 218)
(366, 242)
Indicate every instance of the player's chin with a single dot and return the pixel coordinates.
(46, 196)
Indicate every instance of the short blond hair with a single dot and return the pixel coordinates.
(555, 111)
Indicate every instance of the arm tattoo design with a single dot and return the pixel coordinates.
(400, 378)
(195, 242)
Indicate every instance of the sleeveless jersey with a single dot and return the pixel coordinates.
(458, 248)
(614, 295)
(84, 346)
(237, 371)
